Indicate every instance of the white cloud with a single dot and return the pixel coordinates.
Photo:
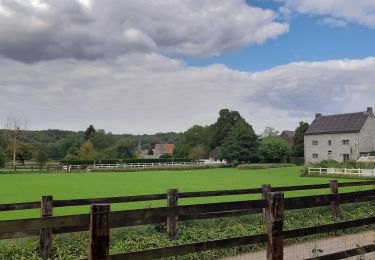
(354, 11)
(33, 30)
(146, 93)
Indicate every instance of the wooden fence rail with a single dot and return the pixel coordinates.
(181, 195)
(100, 219)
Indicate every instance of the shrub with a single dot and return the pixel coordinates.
(156, 160)
(256, 166)
(297, 160)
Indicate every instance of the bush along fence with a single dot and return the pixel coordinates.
(101, 219)
(343, 171)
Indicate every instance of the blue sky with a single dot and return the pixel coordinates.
(140, 66)
(307, 40)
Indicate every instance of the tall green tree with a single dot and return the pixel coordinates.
(241, 144)
(223, 126)
(274, 149)
(298, 140)
(90, 131)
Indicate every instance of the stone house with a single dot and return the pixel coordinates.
(340, 137)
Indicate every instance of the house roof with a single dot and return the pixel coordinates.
(338, 124)
(164, 148)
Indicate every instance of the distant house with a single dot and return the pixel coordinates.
(161, 149)
(340, 137)
(288, 136)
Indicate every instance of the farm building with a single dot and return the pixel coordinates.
(161, 149)
(340, 137)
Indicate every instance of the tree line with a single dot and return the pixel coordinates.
(234, 139)
(230, 138)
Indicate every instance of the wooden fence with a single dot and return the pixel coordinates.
(101, 219)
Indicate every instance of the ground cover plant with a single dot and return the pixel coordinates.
(74, 246)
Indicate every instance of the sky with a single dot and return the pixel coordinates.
(141, 66)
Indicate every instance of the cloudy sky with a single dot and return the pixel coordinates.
(146, 66)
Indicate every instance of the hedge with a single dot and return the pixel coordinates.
(162, 168)
(256, 166)
(156, 160)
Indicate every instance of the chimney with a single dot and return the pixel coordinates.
(318, 115)
(370, 111)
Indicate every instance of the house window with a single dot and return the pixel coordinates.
(315, 155)
(345, 157)
(314, 142)
(329, 142)
(345, 142)
(329, 152)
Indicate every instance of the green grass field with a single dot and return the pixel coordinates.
(30, 187)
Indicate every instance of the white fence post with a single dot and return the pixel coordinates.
(320, 170)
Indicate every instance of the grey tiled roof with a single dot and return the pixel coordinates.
(338, 124)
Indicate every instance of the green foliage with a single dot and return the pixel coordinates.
(223, 126)
(90, 131)
(87, 151)
(40, 154)
(298, 140)
(3, 157)
(241, 143)
(372, 153)
(102, 140)
(297, 160)
(166, 156)
(24, 152)
(198, 152)
(125, 150)
(191, 138)
(256, 166)
(74, 245)
(274, 149)
(156, 160)
(163, 168)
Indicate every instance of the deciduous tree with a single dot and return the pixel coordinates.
(274, 149)
(15, 125)
(241, 144)
(87, 151)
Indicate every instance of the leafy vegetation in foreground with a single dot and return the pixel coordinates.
(73, 246)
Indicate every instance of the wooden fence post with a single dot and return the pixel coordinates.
(45, 235)
(172, 197)
(275, 215)
(335, 209)
(266, 188)
(99, 232)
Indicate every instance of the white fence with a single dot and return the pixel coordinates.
(345, 171)
(136, 165)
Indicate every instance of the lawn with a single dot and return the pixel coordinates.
(30, 187)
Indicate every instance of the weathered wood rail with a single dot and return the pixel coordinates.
(100, 219)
